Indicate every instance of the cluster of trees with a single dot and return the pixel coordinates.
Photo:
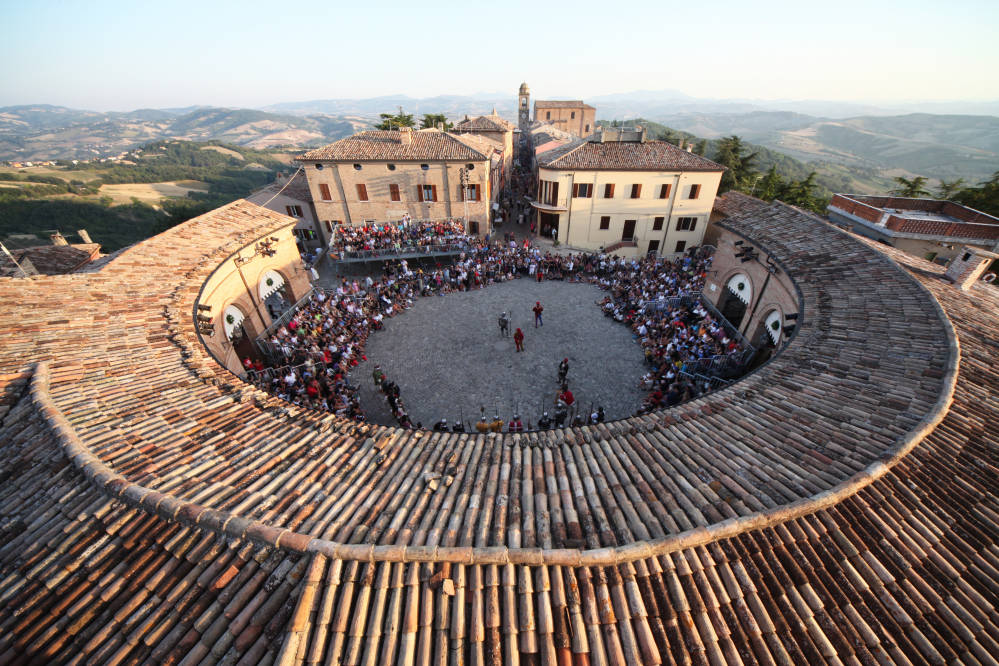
(37, 185)
(395, 121)
(984, 197)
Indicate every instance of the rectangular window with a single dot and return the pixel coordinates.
(394, 192)
(636, 191)
(609, 191)
(587, 129)
(472, 193)
(362, 192)
(549, 193)
(294, 211)
(695, 190)
(686, 223)
(605, 222)
(324, 192)
(664, 191)
(548, 116)
(330, 224)
(657, 224)
(582, 190)
(427, 192)
(680, 245)
(573, 116)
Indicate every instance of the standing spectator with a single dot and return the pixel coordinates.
(518, 339)
(563, 370)
(377, 374)
(538, 309)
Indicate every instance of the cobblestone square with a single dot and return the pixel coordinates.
(446, 353)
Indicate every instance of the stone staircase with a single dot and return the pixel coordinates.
(614, 247)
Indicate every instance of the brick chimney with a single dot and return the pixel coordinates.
(82, 233)
(57, 239)
(440, 127)
(967, 267)
(406, 136)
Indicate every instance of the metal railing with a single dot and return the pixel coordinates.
(404, 250)
(262, 341)
(710, 365)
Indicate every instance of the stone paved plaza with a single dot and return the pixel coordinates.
(446, 352)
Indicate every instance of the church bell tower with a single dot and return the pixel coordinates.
(524, 108)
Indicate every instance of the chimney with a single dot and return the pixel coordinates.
(406, 136)
(690, 147)
(683, 142)
(57, 239)
(82, 233)
(440, 127)
(967, 267)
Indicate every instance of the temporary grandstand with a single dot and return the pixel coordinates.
(835, 506)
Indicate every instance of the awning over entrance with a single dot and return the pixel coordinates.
(774, 326)
(231, 312)
(741, 287)
(269, 283)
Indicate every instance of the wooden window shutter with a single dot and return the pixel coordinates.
(362, 192)
(419, 192)
(433, 193)
(609, 191)
(290, 211)
(664, 192)
(324, 191)
(636, 191)
(695, 190)
(478, 193)
(575, 190)
(394, 192)
(693, 223)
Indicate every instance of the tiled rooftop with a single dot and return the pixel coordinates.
(485, 124)
(562, 104)
(833, 507)
(626, 156)
(297, 187)
(429, 145)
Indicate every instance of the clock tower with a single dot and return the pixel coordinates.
(523, 108)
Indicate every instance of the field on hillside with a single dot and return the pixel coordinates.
(85, 176)
(152, 193)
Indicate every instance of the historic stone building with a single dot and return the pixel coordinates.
(618, 192)
(380, 176)
(571, 116)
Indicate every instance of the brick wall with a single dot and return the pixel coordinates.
(377, 178)
(779, 292)
(857, 208)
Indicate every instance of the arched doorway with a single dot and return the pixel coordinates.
(273, 295)
(242, 342)
(736, 298)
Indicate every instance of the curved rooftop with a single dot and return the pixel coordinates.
(836, 504)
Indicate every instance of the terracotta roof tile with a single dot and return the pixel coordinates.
(625, 156)
(429, 145)
(485, 124)
(226, 527)
(562, 104)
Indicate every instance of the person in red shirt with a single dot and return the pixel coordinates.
(516, 425)
(566, 396)
(518, 339)
(258, 365)
(537, 314)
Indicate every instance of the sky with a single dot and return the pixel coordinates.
(120, 56)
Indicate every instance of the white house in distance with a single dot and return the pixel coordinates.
(618, 192)
(295, 200)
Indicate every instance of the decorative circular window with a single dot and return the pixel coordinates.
(319, 167)
(391, 167)
(357, 167)
(741, 286)
(425, 167)
(469, 166)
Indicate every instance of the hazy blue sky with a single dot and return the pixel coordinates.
(125, 55)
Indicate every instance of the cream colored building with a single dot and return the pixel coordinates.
(618, 192)
(380, 176)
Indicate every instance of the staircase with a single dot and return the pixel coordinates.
(614, 247)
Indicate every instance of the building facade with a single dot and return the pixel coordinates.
(928, 228)
(571, 116)
(618, 192)
(381, 176)
(293, 197)
(496, 129)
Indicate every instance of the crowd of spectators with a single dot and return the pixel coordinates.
(398, 235)
(325, 340)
